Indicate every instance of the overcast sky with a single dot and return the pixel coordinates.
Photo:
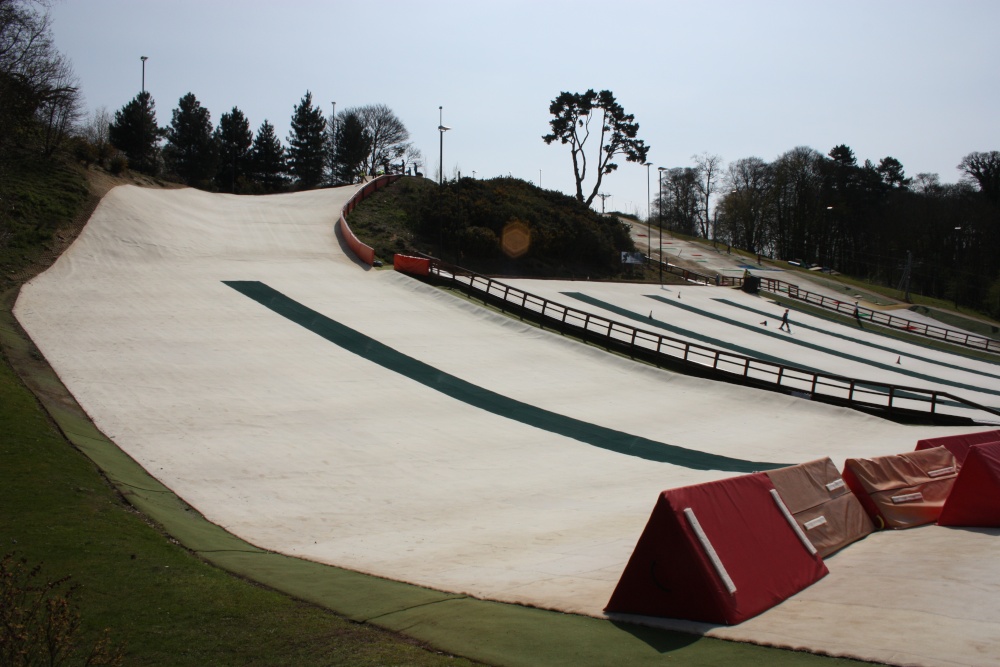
(912, 79)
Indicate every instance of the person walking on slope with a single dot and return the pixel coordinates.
(784, 322)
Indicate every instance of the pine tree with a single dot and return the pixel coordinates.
(267, 160)
(307, 144)
(190, 152)
(352, 146)
(134, 132)
(234, 139)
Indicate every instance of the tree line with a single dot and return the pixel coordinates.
(867, 220)
(40, 107)
(39, 93)
(229, 157)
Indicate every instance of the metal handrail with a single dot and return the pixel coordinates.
(878, 317)
(793, 291)
(664, 350)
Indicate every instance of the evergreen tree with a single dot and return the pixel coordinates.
(267, 160)
(892, 174)
(234, 139)
(352, 146)
(307, 144)
(134, 132)
(190, 153)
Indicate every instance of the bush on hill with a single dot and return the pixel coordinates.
(548, 234)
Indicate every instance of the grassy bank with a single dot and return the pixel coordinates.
(160, 601)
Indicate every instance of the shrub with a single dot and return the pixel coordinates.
(118, 164)
(38, 624)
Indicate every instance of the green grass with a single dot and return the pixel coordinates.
(381, 220)
(163, 603)
(37, 196)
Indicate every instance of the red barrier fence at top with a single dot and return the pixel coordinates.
(363, 252)
(417, 266)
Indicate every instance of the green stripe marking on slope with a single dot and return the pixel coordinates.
(484, 399)
(874, 346)
(826, 350)
(687, 333)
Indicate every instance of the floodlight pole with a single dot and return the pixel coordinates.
(649, 247)
(442, 129)
(142, 117)
(603, 197)
(660, 253)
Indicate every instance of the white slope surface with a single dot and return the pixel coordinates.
(297, 445)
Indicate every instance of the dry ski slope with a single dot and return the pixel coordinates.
(357, 417)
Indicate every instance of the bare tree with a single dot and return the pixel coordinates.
(745, 210)
(59, 106)
(411, 156)
(680, 200)
(387, 134)
(983, 169)
(36, 82)
(709, 168)
(926, 183)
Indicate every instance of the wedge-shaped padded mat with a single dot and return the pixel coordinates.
(959, 444)
(903, 490)
(822, 504)
(719, 552)
(975, 498)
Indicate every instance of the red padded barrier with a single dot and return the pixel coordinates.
(364, 252)
(822, 504)
(417, 266)
(975, 498)
(903, 490)
(959, 444)
(720, 552)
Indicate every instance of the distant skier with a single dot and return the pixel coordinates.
(784, 322)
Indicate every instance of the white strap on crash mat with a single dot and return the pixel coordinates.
(709, 550)
(793, 523)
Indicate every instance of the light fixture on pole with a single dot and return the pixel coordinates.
(660, 253)
(649, 247)
(143, 59)
(442, 128)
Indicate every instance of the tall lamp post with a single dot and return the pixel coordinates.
(442, 128)
(142, 118)
(660, 253)
(649, 247)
